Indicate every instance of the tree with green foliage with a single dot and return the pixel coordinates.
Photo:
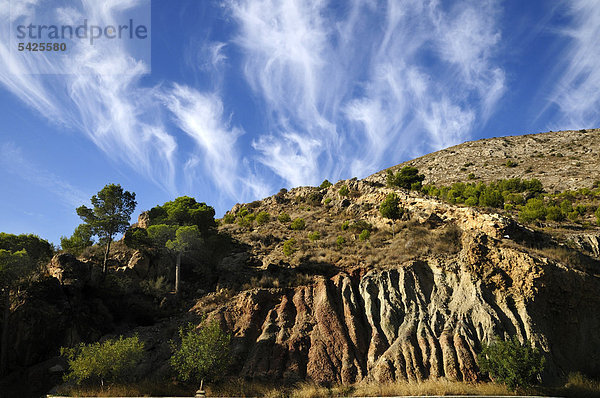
(533, 210)
(405, 178)
(263, 217)
(19, 256)
(137, 238)
(187, 238)
(512, 363)
(109, 361)
(344, 191)
(76, 243)
(203, 353)
(176, 240)
(390, 208)
(325, 184)
(110, 215)
(184, 211)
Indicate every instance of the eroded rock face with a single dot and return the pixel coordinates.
(418, 320)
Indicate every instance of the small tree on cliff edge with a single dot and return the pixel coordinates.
(110, 215)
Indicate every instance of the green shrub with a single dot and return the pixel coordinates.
(510, 163)
(316, 235)
(597, 213)
(298, 224)
(289, 247)
(325, 184)
(364, 235)
(472, 201)
(247, 221)
(512, 363)
(491, 197)
(314, 198)
(345, 225)
(82, 238)
(359, 225)
(284, 218)
(262, 218)
(110, 361)
(344, 191)
(405, 178)
(471, 176)
(533, 210)
(229, 218)
(327, 201)
(554, 213)
(390, 208)
(203, 353)
(340, 241)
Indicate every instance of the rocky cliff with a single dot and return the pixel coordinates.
(422, 307)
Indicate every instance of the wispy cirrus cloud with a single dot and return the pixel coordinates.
(577, 88)
(98, 91)
(346, 93)
(15, 162)
(201, 116)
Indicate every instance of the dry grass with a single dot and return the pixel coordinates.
(140, 389)
(428, 387)
(241, 388)
(576, 386)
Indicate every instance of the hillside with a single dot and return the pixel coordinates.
(561, 160)
(314, 284)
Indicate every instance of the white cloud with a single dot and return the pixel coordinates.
(348, 94)
(100, 93)
(201, 116)
(577, 90)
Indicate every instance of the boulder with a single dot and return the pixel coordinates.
(140, 263)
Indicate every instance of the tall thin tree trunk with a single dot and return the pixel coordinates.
(4, 344)
(177, 273)
(104, 264)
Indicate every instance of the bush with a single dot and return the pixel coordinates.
(284, 217)
(597, 213)
(109, 361)
(510, 163)
(364, 235)
(228, 218)
(325, 184)
(405, 178)
(554, 213)
(533, 210)
(298, 224)
(359, 225)
(327, 201)
(262, 218)
(344, 191)
(289, 247)
(511, 363)
(316, 235)
(345, 225)
(390, 208)
(340, 241)
(203, 353)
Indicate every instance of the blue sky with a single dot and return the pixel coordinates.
(243, 97)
